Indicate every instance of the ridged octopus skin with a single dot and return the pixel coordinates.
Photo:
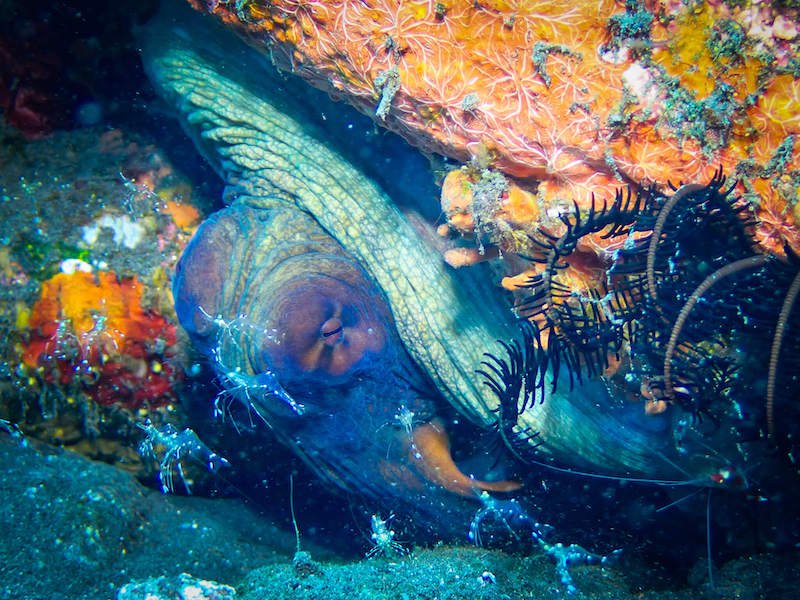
(324, 309)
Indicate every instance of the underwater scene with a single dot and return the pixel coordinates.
(402, 299)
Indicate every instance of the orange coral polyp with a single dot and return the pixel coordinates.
(520, 208)
(185, 216)
(457, 201)
(94, 323)
(82, 298)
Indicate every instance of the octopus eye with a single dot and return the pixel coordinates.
(332, 331)
(304, 312)
(331, 326)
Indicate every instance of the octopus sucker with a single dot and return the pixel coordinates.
(268, 286)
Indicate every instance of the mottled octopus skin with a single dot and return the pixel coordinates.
(242, 124)
(253, 289)
(275, 160)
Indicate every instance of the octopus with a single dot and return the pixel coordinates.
(326, 312)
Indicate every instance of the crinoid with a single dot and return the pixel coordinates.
(518, 381)
(714, 306)
(775, 351)
(584, 327)
(689, 307)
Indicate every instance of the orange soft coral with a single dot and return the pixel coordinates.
(90, 329)
(566, 97)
